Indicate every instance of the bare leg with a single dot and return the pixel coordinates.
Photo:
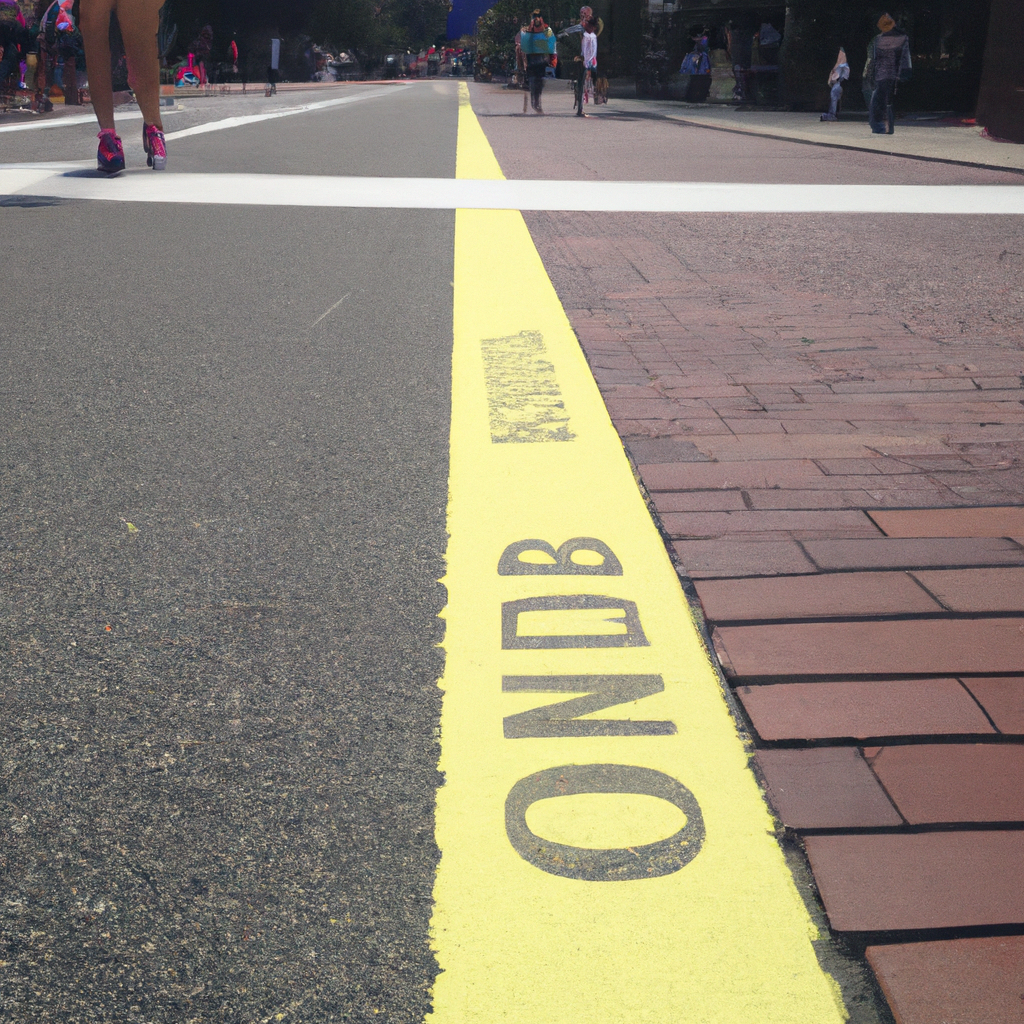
(94, 21)
(140, 21)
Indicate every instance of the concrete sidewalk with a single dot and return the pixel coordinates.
(827, 415)
(920, 136)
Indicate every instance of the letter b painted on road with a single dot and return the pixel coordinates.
(562, 563)
(651, 860)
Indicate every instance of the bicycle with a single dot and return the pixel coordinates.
(579, 89)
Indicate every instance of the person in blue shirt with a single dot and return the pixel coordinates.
(537, 42)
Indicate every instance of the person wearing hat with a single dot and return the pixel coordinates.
(537, 42)
(888, 62)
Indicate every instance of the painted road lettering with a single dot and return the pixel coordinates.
(562, 562)
(630, 863)
(523, 396)
(562, 719)
(621, 935)
(613, 612)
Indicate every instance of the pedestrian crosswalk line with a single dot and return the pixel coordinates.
(482, 191)
(606, 854)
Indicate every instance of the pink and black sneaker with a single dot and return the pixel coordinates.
(153, 143)
(110, 155)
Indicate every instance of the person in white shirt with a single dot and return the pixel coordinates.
(589, 62)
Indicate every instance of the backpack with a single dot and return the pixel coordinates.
(57, 18)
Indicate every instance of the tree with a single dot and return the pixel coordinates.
(497, 28)
(372, 28)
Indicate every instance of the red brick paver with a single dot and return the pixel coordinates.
(976, 590)
(1003, 701)
(962, 981)
(825, 787)
(912, 647)
(938, 783)
(952, 522)
(822, 596)
(858, 710)
(908, 553)
(888, 882)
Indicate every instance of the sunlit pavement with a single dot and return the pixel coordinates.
(226, 498)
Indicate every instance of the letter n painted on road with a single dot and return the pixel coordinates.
(608, 858)
(562, 719)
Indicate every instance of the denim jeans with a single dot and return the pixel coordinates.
(835, 94)
(880, 111)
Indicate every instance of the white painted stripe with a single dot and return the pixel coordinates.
(210, 126)
(235, 122)
(69, 121)
(28, 179)
(451, 193)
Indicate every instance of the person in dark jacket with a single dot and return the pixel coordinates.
(10, 52)
(888, 62)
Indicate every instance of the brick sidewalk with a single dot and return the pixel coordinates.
(844, 490)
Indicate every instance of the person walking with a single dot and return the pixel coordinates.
(538, 45)
(571, 46)
(839, 74)
(56, 26)
(10, 53)
(589, 62)
(888, 62)
(139, 21)
(697, 67)
(521, 81)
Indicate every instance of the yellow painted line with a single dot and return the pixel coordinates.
(618, 867)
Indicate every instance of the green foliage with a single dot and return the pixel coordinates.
(498, 27)
(372, 28)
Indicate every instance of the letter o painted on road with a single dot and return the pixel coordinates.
(650, 861)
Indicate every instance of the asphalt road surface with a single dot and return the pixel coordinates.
(221, 531)
(230, 462)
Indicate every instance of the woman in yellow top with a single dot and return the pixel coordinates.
(139, 21)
